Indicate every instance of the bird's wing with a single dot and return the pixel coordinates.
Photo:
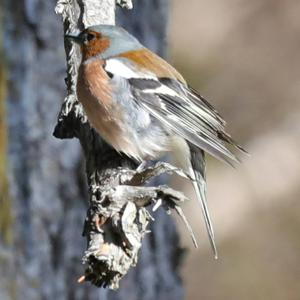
(176, 106)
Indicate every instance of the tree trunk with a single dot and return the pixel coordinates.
(48, 194)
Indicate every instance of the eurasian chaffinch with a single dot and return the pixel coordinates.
(143, 107)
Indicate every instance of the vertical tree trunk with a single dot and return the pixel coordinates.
(46, 178)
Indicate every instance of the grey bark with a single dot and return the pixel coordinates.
(47, 184)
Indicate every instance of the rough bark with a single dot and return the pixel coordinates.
(46, 183)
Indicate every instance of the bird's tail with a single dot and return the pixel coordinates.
(197, 172)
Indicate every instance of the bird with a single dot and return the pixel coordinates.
(143, 107)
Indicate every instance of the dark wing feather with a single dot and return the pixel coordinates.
(178, 107)
(188, 114)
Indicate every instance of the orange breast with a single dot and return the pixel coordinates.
(94, 93)
(92, 86)
(103, 112)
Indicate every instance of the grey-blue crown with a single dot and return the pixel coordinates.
(120, 40)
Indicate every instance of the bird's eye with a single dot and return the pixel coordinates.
(90, 37)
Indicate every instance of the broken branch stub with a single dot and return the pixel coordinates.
(117, 222)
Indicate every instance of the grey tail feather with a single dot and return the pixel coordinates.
(198, 173)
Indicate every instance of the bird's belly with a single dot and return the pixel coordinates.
(144, 144)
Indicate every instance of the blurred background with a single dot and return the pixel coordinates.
(244, 56)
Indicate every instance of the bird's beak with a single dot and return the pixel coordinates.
(75, 38)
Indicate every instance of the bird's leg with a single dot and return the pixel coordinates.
(141, 166)
(143, 174)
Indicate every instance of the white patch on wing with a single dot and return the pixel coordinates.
(162, 90)
(118, 67)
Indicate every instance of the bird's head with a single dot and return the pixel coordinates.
(105, 41)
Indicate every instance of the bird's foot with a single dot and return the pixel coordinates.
(144, 173)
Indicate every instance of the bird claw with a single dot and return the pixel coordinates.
(144, 173)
